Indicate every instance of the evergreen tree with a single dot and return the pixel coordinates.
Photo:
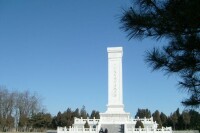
(76, 113)
(186, 118)
(139, 124)
(180, 124)
(58, 120)
(178, 22)
(163, 119)
(174, 119)
(194, 120)
(169, 122)
(97, 115)
(54, 122)
(156, 117)
(83, 113)
(41, 121)
(142, 113)
(67, 117)
(86, 125)
(94, 114)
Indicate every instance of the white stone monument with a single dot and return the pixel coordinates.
(115, 108)
(115, 119)
(115, 96)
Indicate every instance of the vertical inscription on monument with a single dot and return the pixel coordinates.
(114, 81)
(115, 76)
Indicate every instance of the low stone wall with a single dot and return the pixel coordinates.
(186, 131)
(51, 131)
(54, 131)
(22, 132)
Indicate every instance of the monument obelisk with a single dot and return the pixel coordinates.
(115, 107)
(115, 96)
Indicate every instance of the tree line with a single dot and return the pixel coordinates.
(185, 120)
(23, 111)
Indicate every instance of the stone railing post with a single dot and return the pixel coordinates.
(58, 129)
(151, 119)
(133, 129)
(125, 128)
(147, 129)
(162, 130)
(89, 128)
(154, 130)
(96, 129)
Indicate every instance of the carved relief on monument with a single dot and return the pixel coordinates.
(114, 81)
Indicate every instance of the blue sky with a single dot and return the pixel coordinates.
(57, 48)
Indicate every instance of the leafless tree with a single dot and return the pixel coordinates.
(16, 108)
(27, 104)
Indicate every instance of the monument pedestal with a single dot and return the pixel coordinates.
(114, 118)
(115, 109)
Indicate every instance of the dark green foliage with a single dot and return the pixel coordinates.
(186, 118)
(139, 124)
(77, 113)
(156, 117)
(142, 113)
(83, 113)
(67, 117)
(86, 125)
(41, 120)
(155, 18)
(54, 123)
(59, 119)
(163, 119)
(178, 22)
(178, 121)
(194, 120)
(174, 119)
(95, 114)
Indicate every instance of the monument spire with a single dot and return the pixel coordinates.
(115, 88)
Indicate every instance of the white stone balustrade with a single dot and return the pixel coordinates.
(148, 130)
(143, 120)
(80, 121)
(129, 121)
(76, 130)
(127, 130)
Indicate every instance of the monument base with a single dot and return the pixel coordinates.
(114, 118)
(115, 109)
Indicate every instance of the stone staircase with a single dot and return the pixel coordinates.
(113, 128)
